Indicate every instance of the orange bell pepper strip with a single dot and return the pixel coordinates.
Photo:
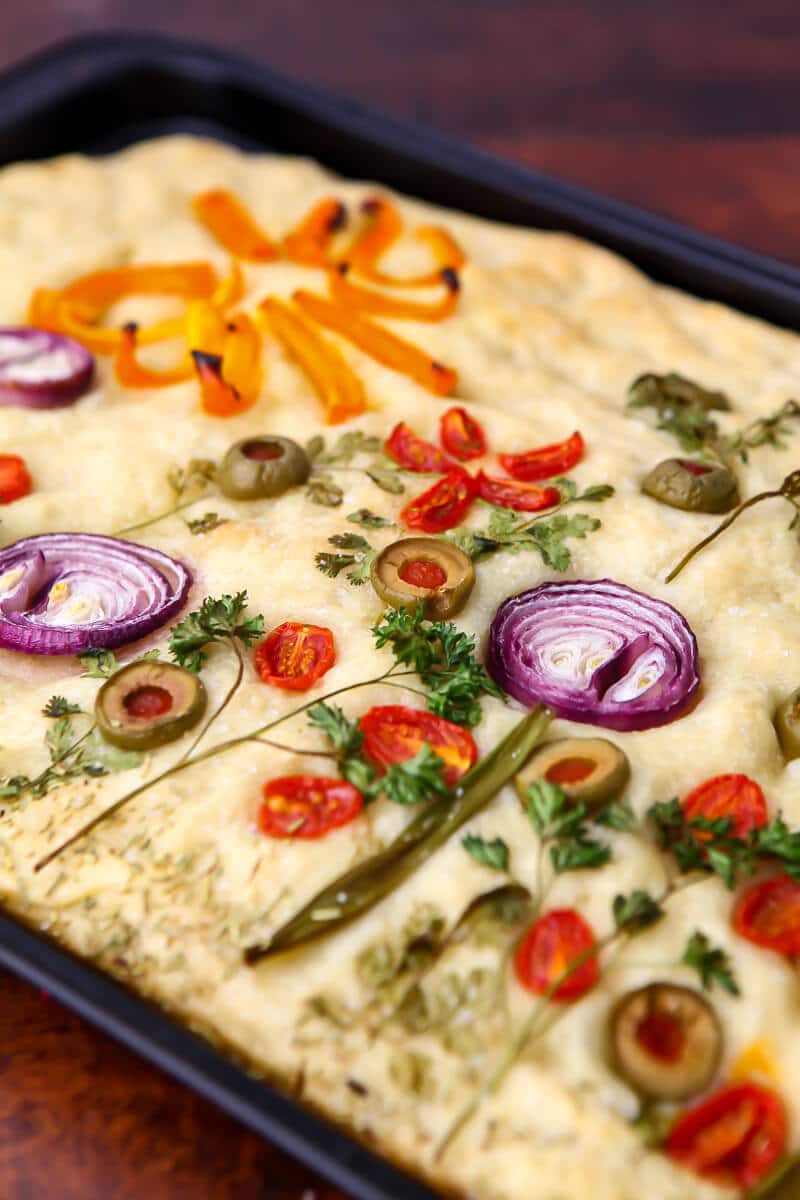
(383, 230)
(241, 357)
(350, 295)
(379, 343)
(309, 242)
(339, 389)
(48, 310)
(230, 223)
(130, 372)
(91, 295)
(205, 328)
(231, 290)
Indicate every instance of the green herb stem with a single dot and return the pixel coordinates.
(726, 524)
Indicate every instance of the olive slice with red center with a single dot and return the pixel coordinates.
(266, 465)
(665, 1041)
(422, 570)
(148, 704)
(591, 771)
(692, 486)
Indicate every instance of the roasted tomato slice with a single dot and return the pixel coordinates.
(734, 1139)
(509, 493)
(307, 806)
(545, 462)
(461, 435)
(768, 914)
(15, 482)
(394, 733)
(414, 453)
(735, 798)
(443, 506)
(546, 953)
(295, 656)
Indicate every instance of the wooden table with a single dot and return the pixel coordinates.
(687, 108)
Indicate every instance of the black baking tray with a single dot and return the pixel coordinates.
(100, 93)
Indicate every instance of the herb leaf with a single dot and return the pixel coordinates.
(711, 963)
(197, 475)
(360, 560)
(59, 706)
(322, 490)
(98, 664)
(636, 912)
(617, 815)
(345, 736)
(510, 531)
(206, 523)
(565, 826)
(371, 520)
(418, 778)
(494, 854)
(214, 621)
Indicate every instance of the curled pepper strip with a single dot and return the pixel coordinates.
(386, 347)
(383, 231)
(364, 300)
(309, 242)
(230, 223)
(340, 390)
(227, 359)
(241, 357)
(219, 399)
(130, 372)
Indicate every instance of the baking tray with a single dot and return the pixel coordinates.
(100, 93)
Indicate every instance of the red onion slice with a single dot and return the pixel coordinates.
(64, 593)
(596, 652)
(42, 370)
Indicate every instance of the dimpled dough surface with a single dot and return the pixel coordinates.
(549, 333)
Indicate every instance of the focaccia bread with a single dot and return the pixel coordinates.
(404, 1034)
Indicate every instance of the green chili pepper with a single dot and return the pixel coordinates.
(361, 888)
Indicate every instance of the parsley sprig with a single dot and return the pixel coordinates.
(712, 964)
(494, 854)
(407, 783)
(444, 658)
(564, 827)
(216, 620)
(700, 844)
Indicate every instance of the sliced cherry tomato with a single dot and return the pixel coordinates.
(414, 453)
(443, 506)
(736, 798)
(307, 806)
(461, 435)
(508, 493)
(734, 1139)
(295, 656)
(547, 950)
(15, 482)
(423, 574)
(768, 914)
(393, 733)
(545, 462)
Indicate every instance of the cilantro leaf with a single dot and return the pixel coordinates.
(510, 531)
(216, 620)
(636, 912)
(98, 664)
(711, 963)
(494, 854)
(360, 560)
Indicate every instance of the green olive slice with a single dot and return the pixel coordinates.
(787, 725)
(147, 704)
(591, 771)
(665, 1041)
(675, 390)
(261, 466)
(424, 570)
(692, 486)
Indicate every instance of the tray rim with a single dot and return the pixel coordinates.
(96, 996)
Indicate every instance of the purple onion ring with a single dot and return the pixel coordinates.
(596, 652)
(42, 370)
(65, 593)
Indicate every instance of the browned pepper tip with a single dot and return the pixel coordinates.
(208, 362)
(131, 327)
(338, 218)
(450, 279)
(371, 205)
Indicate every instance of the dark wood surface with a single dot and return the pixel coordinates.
(691, 109)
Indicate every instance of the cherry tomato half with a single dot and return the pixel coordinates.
(443, 506)
(545, 462)
(295, 656)
(734, 1139)
(393, 733)
(15, 482)
(508, 493)
(547, 950)
(461, 435)
(736, 798)
(414, 453)
(307, 806)
(768, 914)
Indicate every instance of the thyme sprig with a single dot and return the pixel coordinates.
(188, 485)
(789, 490)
